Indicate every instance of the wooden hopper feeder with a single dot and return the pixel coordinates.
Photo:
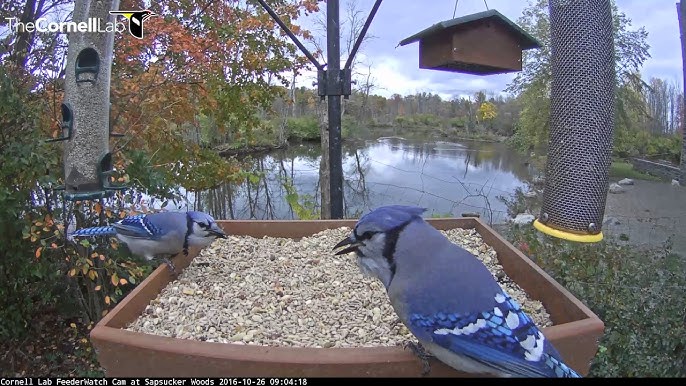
(483, 43)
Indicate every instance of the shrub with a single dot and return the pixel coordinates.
(637, 294)
(40, 269)
(27, 279)
(642, 143)
(303, 128)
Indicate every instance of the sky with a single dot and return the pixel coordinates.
(395, 69)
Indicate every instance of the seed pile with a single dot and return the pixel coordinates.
(285, 292)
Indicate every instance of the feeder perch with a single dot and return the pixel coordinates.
(483, 43)
(66, 125)
(78, 187)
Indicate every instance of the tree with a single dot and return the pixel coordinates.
(532, 84)
(486, 113)
(216, 59)
(203, 69)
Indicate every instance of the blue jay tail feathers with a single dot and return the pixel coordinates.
(94, 231)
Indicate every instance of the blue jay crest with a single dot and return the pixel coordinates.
(390, 217)
(136, 20)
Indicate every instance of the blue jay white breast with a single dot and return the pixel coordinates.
(449, 299)
(160, 234)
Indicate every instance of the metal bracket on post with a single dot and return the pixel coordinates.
(332, 83)
(346, 82)
(321, 83)
(342, 85)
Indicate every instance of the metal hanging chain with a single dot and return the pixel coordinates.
(457, 1)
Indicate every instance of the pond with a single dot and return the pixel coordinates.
(447, 178)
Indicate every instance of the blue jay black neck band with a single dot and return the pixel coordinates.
(189, 230)
(389, 248)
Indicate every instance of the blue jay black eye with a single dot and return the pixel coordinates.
(368, 234)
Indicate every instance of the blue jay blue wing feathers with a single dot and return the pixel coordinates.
(137, 226)
(502, 338)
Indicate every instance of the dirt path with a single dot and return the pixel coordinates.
(648, 213)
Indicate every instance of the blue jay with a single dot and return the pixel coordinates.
(448, 299)
(160, 235)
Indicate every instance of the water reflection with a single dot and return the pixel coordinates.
(447, 178)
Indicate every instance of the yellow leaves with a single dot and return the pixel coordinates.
(72, 325)
(486, 112)
(98, 208)
(122, 281)
(92, 274)
(97, 288)
(38, 252)
(72, 272)
(84, 269)
(114, 279)
(107, 300)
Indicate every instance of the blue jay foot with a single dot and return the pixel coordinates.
(171, 266)
(421, 353)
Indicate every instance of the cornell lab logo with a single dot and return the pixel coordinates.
(136, 19)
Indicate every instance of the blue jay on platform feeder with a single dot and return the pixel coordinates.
(160, 235)
(449, 299)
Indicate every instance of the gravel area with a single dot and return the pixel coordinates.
(285, 292)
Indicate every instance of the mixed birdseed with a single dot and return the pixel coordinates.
(286, 292)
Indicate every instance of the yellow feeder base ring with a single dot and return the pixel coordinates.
(567, 235)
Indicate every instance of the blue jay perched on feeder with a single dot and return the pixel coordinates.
(160, 235)
(448, 299)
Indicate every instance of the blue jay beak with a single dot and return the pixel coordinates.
(353, 245)
(217, 232)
